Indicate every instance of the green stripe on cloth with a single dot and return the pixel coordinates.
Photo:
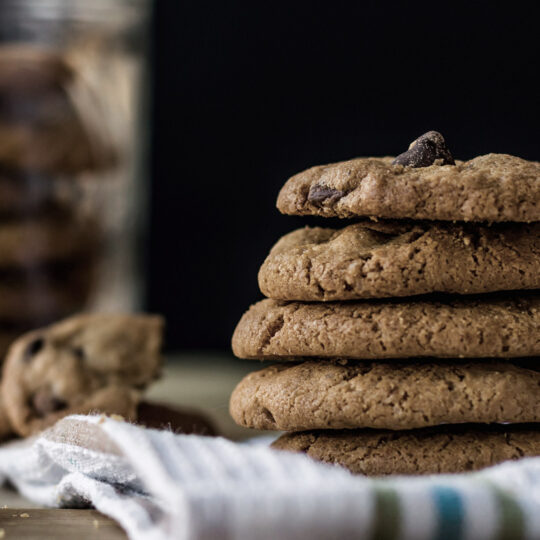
(511, 524)
(450, 512)
(387, 514)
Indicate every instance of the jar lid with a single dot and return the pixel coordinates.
(32, 19)
(89, 10)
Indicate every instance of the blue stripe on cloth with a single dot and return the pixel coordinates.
(450, 513)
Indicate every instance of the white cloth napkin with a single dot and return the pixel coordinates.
(160, 485)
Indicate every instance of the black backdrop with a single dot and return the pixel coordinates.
(248, 93)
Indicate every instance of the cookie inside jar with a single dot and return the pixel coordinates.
(67, 178)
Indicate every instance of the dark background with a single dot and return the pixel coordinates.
(248, 93)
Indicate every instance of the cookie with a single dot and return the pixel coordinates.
(23, 194)
(389, 259)
(322, 395)
(486, 326)
(493, 187)
(40, 296)
(87, 363)
(43, 127)
(446, 449)
(49, 236)
(172, 418)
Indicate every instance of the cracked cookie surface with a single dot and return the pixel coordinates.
(389, 259)
(315, 395)
(87, 363)
(493, 187)
(501, 326)
(448, 449)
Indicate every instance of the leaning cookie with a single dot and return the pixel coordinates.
(315, 395)
(493, 187)
(445, 449)
(84, 364)
(392, 258)
(502, 326)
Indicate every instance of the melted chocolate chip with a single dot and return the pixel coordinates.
(44, 402)
(322, 194)
(33, 348)
(424, 151)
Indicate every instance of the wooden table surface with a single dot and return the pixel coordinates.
(201, 381)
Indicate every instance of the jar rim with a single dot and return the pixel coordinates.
(110, 11)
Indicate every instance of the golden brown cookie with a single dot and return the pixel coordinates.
(484, 326)
(446, 449)
(88, 363)
(391, 258)
(322, 395)
(493, 187)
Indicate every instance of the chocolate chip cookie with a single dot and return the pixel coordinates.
(176, 419)
(55, 234)
(485, 326)
(86, 363)
(493, 187)
(389, 259)
(446, 449)
(23, 194)
(43, 127)
(315, 395)
(30, 298)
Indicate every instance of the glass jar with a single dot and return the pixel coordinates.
(71, 158)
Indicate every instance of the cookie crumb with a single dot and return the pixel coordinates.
(101, 419)
(25, 515)
(117, 417)
(96, 524)
(2, 533)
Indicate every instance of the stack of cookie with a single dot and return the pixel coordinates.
(407, 341)
(47, 246)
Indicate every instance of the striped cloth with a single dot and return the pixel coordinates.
(160, 485)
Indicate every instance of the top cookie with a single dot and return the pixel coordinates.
(494, 187)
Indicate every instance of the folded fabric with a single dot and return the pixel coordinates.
(159, 485)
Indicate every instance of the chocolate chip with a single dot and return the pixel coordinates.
(322, 194)
(33, 348)
(79, 353)
(424, 151)
(44, 402)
